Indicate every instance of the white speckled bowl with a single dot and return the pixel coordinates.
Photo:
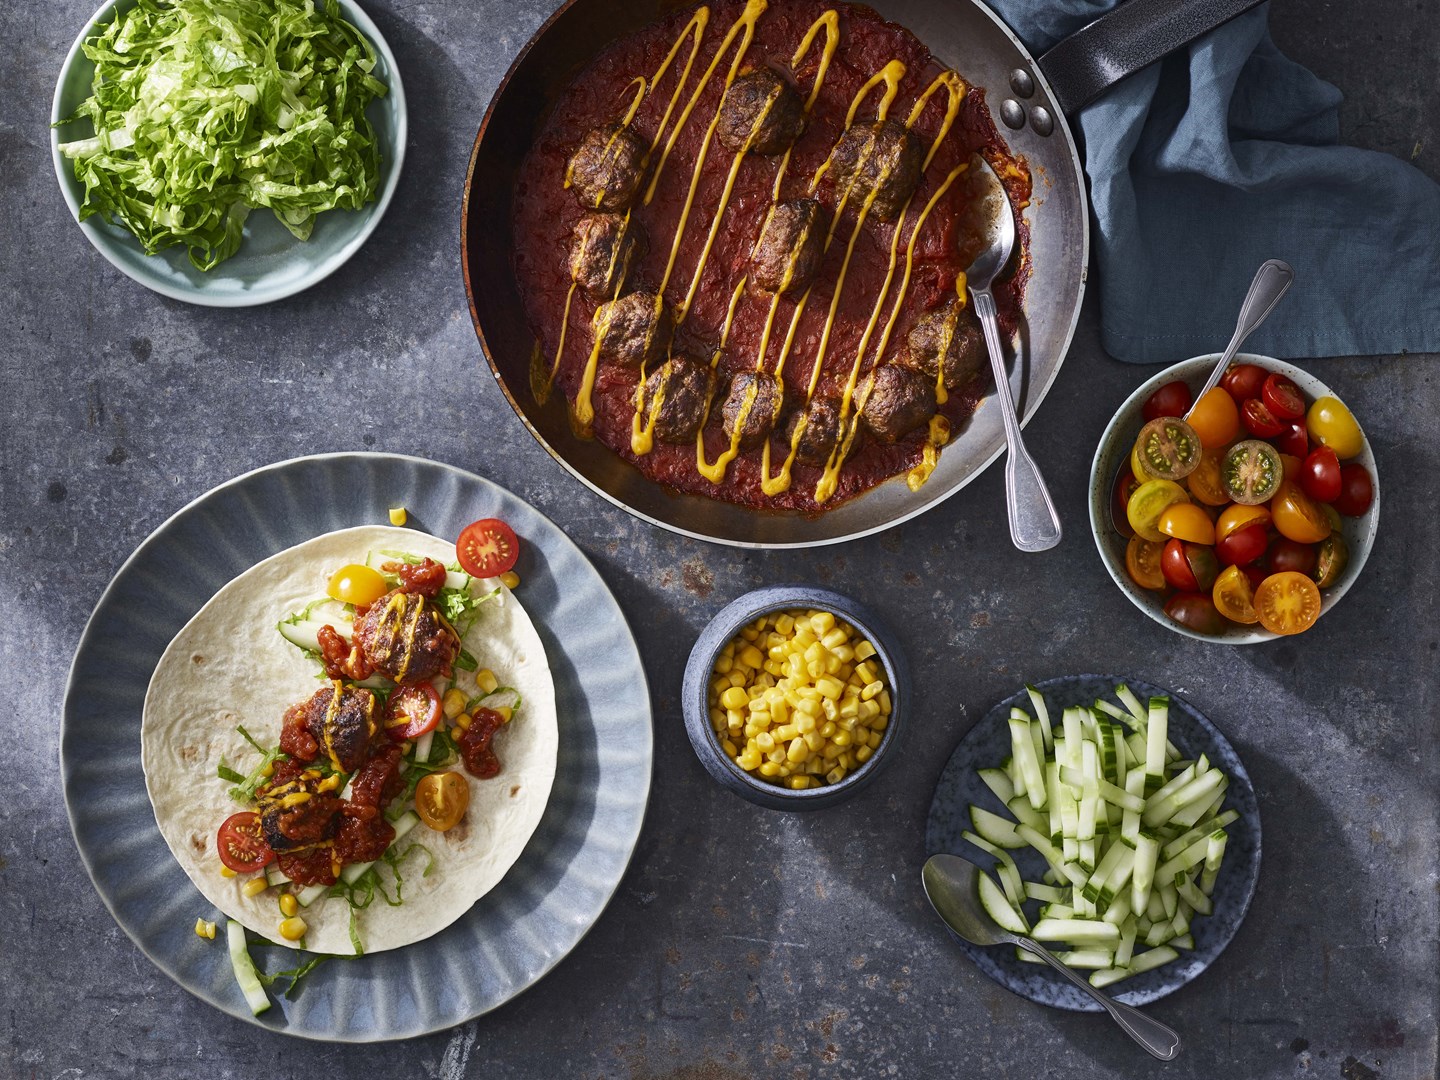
(1114, 449)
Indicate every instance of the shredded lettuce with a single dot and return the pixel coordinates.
(206, 109)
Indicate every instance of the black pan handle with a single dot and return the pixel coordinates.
(1132, 36)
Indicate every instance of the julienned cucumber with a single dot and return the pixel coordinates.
(308, 895)
(245, 973)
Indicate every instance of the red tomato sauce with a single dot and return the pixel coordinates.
(546, 214)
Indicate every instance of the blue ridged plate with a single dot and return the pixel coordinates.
(987, 745)
(519, 930)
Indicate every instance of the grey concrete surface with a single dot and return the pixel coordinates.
(742, 943)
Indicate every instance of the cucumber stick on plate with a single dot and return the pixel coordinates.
(1133, 835)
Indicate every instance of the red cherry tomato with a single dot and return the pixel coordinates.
(1243, 546)
(1285, 554)
(242, 845)
(1243, 381)
(487, 548)
(1282, 397)
(1320, 474)
(1255, 574)
(1259, 420)
(1196, 611)
(1188, 567)
(1357, 491)
(414, 709)
(1294, 440)
(1172, 399)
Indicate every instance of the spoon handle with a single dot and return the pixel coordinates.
(1271, 282)
(1154, 1036)
(1034, 525)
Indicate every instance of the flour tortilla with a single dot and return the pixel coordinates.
(230, 666)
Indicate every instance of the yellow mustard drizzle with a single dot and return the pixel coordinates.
(642, 88)
(830, 23)
(332, 710)
(936, 437)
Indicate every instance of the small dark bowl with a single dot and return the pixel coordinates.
(725, 626)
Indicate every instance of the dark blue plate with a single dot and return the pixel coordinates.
(987, 745)
(516, 932)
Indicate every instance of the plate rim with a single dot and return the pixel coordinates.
(1088, 1005)
(67, 766)
(102, 241)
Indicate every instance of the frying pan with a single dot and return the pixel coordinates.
(1029, 100)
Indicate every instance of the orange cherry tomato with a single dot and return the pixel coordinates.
(1142, 562)
(1216, 419)
(1235, 517)
(1287, 603)
(1297, 516)
(1186, 521)
(441, 799)
(1235, 597)
(1205, 483)
(358, 585)
(1291, 465)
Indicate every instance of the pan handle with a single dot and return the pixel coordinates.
(1126, 39)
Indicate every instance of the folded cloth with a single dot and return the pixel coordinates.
(1224, 155)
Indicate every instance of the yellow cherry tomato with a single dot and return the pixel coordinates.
(1236, 517)
(1287, 603)
(1148, 502)
(441, 799)
(1233, 596)
(1142, 562)
(1297, 516)
(1186, 521)
(1205, 483)
(1215, 418)
(358, 585)
(1136, 469)
(1331, 424)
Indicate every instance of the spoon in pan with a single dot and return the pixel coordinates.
(1272, 281)
(950, 884)
(1034, 525)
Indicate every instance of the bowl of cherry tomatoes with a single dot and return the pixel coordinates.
(1241, 517)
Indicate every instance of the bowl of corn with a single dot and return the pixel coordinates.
(794, 697)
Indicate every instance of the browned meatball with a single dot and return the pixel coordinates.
(792, 240)
(821, 431)
(606, 169)
(406, 639)
(899, 402)
(601, 249)
(948, 337)
(764, 396)
(341, 720)
(884, 157)
(765, 109)
(635, 329)
(680, 388)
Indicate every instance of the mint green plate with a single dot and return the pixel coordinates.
(271, 264)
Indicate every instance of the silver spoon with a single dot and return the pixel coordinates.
(1034, 525)
(950, 885)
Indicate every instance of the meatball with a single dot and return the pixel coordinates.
(339, 719)
(948, 339)
(306, 824)
(821, 431)
(606, 169)
(899, 402)
(601, 249)
(635, 329)
(765, 397)
(792, 241)
(680, 389)
(406, 639)
(884, 158)
(763, 108)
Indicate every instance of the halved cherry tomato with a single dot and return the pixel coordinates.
(1287, 603)
(1168, 449)
(1186, 521)
(1282, 397)
(1297, 516)
(1357, 491)
(1188, 567)
(414, 710)
(1320, 475)
(358, 585)
(1243, 546)
(1149, 501)
(242, 845)
(441, 799)
(1142, 562)
(1259, 420)
(1252, 472)
(1286, 555)
(1215, 418)
(1234, 596)
(1243, 381)
(1290, 466)
(1235, 517)
(1254, 575)
(487, 548)
(1331, 561)
(1333, 516)
(1331, 423)
(1172, 399)
(1293, 440)
(1125, 485)
(1195, 610)
(1204, 483)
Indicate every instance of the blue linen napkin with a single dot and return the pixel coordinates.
(1224, 155)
